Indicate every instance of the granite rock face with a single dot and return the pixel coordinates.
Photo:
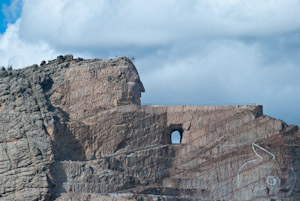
(74, 129)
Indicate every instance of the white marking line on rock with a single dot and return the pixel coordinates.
(238, 173)
(295, 180)
(228, 145)
(257, 154)
(271, 180)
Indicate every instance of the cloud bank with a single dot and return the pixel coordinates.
(187, 52)
(20, 53)
(143, 23)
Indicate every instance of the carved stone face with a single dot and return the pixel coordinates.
(97, 85)
(135, 88)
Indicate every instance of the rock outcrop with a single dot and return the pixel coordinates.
(74, 129)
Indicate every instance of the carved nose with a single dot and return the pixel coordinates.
(142, 89)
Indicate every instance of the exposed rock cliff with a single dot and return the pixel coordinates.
(74, 129)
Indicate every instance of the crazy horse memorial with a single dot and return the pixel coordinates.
(75, 129)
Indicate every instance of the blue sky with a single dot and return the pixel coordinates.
(10, 12)
(194, 52)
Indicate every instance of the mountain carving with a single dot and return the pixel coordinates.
(75, 129)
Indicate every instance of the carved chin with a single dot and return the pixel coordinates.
(136, 97)
(137, 101)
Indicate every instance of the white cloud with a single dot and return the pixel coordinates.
(98, 23)
(19, 53)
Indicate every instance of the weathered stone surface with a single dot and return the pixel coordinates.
(74, 129)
